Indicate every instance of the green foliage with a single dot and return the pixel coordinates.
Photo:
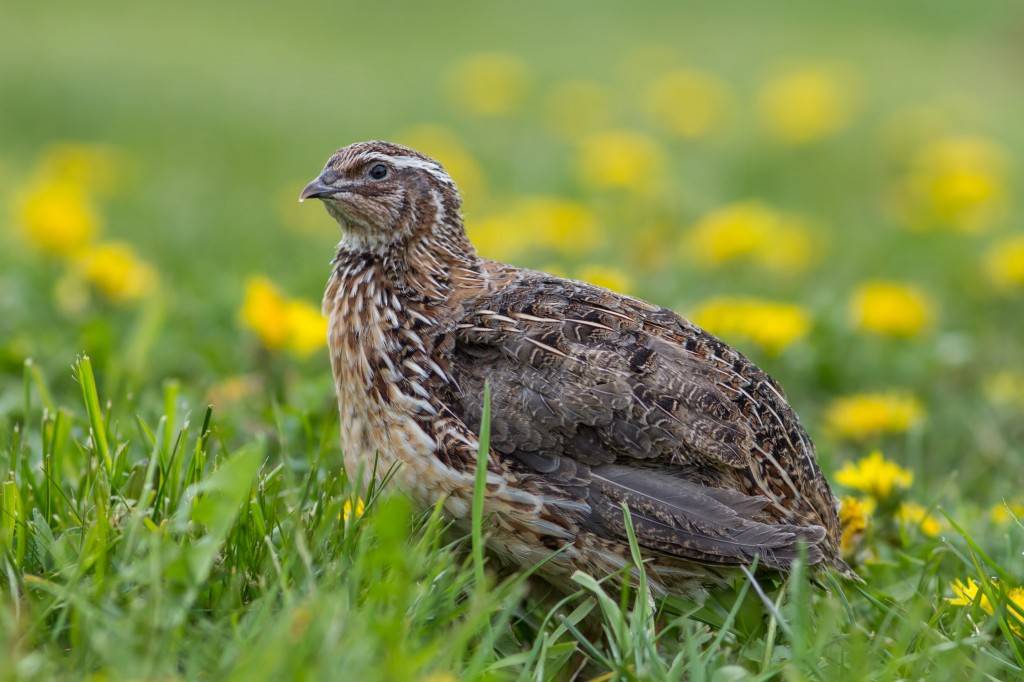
(221, 565)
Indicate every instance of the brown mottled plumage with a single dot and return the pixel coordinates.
(597, 399)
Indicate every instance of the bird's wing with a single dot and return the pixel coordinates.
(624, 402)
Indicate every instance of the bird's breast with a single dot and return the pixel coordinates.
(384, 377)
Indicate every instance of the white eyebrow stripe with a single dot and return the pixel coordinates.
(432, 167)
(404, 161)
(413, 162)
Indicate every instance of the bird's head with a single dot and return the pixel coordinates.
(383, 194)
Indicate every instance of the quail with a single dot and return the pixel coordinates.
(598, 400)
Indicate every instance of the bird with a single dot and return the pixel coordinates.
(599, 402)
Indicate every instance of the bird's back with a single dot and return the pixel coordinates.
(610, 400)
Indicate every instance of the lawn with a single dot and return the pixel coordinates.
(835, 190)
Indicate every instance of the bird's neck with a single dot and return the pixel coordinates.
(419, 268)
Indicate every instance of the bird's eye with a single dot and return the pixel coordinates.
(378, 171)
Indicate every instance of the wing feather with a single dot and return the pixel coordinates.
(649, 411)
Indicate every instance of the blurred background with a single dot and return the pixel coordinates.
(834, 189)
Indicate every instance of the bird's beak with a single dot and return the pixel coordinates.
(316, 189)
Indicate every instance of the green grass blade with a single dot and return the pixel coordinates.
(480, 489)
(87, 381)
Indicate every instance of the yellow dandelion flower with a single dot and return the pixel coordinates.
(1005, 388)
(1015, 610)
(499, 236)
(280, 322)
(444, 145)
(1004, 263)
(576, 108)
(732, 232)
(875, 476)
(557, 223)
(853, 519)
(970, 593)
(620, 159)
(1005, 512)
(891, 309)
(770, 324)
(967, 593)
(307, 327)
(750, 231)
(537, 223)
(57, 217)
(116, 271)
(264, 311)
(913, 515)
(488, 84)
(960, 182)
(607, 277)
(808, 103)
(92, 167)
(688, 103)
(347, 511)
(862, 416)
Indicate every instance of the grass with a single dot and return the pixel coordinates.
(139, 549)
(167, 561)
(173, 500)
